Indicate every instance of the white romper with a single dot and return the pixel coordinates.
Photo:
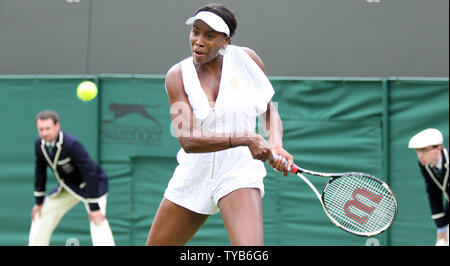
(201, 179)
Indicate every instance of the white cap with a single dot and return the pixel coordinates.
(213, 20)
(425, 138)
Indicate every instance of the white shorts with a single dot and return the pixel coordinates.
(200, 184)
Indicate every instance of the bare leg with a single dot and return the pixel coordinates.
(242, 216)
(174, 225)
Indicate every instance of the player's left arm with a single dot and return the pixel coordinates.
(273, 125)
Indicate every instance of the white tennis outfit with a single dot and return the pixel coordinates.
(201, 179)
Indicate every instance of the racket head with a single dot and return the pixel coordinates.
(359, 203)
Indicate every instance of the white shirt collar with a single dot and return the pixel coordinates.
(439, 164)
(52, 143)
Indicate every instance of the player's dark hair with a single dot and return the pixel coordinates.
(222, 11)
(47, 114)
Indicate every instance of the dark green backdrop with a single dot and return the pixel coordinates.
(330, 124)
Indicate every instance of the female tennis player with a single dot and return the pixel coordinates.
(216, 96)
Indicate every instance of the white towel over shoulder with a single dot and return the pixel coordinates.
(244, 87)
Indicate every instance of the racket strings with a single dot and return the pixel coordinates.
(360, 204)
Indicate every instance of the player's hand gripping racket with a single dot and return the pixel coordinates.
(358, 203)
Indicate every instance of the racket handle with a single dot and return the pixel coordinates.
(294, 168)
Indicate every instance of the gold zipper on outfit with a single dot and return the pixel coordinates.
(214, 154)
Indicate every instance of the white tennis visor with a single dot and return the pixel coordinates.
(213, 20)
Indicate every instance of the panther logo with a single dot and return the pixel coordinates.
(121, 110)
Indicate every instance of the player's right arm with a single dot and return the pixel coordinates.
(194, 140)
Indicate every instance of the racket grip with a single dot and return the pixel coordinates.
(294, 168)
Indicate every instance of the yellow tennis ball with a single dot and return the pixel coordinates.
(87, 90)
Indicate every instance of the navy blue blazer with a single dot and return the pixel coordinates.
(73, 168)
(437, 184)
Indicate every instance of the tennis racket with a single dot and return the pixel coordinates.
(357, 203)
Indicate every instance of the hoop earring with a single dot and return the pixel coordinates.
(222, 51)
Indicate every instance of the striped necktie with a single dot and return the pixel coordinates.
(51, 150)
(436, 172)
